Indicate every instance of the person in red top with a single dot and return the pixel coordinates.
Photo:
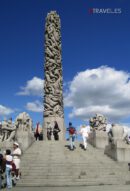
(37, 131)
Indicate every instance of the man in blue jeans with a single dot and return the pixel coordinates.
(72, 135)
(9, 160)
(1, 161)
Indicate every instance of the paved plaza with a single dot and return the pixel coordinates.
(79, 188)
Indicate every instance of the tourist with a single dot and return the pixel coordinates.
(84, 131)
(49, 131)
(110, 133)
(72, 136)
(16, 158)
(9, 160)
(37, 131)
(56, 130)
(1, 168)
(1, 158)
(0, 123)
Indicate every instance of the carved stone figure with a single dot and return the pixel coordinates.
(118, 147)
(8, 129)
(98, 122)
(126, 135)
(116, 133)
(24, 122)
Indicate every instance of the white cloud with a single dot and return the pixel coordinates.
(5, 110)
(36, 106)
(33, 87)
(102, 90)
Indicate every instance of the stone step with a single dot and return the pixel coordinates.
(76, 188)
(61, 163)
(66, 176)
(70, 179)
(26, 174)
(75, 168)
(47, 182)
(69, 164)
(61, 168)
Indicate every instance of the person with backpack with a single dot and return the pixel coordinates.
(72, 136)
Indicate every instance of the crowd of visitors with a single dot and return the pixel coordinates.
(84, 132)
(53, 131)
(10, 166)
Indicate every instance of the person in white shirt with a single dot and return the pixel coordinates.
(84, 131)
(16, 158)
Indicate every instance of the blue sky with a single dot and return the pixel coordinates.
(89, 41)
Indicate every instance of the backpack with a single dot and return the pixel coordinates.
(71, 130)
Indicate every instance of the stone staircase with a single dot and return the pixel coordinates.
(51, 163)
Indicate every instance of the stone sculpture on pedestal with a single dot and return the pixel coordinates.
(20, 131)
(98, 136)
(53, 82)
(98, 122)
(117, 147)
(7, 131)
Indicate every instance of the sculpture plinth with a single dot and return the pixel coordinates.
(117, 148)
(98, 136)
(53, 82)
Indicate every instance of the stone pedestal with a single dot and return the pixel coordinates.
(98, 139)
(117, 148)
(61, 125)
(6, 145)
(117, 131)
(25, 139)
(119, 151)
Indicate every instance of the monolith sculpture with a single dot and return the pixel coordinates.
(53, 81)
